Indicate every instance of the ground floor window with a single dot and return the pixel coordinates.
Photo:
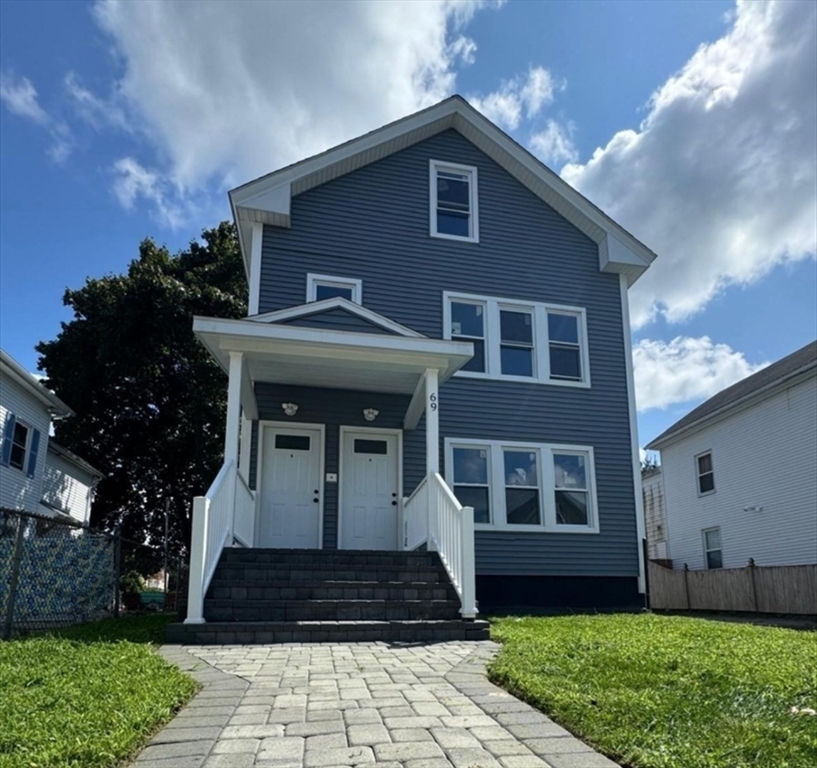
(524, 486)
(713, 553)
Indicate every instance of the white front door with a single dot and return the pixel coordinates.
(369, 490)
(290, 514)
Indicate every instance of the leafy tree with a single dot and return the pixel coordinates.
(149, 400)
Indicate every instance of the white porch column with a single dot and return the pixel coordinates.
(233, 407)
(432, 421)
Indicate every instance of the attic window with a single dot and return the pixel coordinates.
(320, 287)
(453, 201)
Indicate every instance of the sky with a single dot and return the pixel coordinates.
(693, 124)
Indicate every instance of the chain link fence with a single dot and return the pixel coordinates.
(54, 572)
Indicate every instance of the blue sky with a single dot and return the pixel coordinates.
(691, 123)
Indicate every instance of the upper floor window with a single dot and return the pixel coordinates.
(19, 446)
(521, 341)
(713, 552)
(524, 486)
(320, 287)
(706, 474)
(453, 204)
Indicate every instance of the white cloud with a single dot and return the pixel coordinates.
(20, 97)
(132, 182)
(685, 369)
(522, 96)
(554, 144)
(94, 110)
(225, 92)
(721, 177)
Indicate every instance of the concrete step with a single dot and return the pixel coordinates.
(329, 610)
(256, 633)
(246, 574)
(357, 557)
(329, 589)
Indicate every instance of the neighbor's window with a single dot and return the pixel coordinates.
(468, 324)
(524, 487)
(471, 473)
(713, 554)
(454, 201)
(320, 287)
(706, 475)
(546, 343)
(571, 489)
(19, 444)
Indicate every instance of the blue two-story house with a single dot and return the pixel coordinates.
(430, 406)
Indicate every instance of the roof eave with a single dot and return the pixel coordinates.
(20, 375)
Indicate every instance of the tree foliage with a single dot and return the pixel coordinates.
(149, 400)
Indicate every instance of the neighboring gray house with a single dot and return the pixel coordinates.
(36, 474)
(438, 332)
(740, 471)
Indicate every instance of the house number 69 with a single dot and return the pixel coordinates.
(432, 401)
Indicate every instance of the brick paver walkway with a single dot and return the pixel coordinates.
(356, 704)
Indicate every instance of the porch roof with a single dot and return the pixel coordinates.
(283, 354)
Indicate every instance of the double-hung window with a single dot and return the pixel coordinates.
(520, 340)
(713, 552)
(706, 473)
(453, 201)
(519, 486)
(19, 446)
(320, 287)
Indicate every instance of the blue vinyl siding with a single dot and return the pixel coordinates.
(374, 224)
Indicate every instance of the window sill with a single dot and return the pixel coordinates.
(535, 528)
(458, 238)
(706, 493)
(523, 379)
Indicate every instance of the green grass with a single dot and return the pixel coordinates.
(86, 697)
(668, 692)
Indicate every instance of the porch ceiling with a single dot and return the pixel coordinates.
(338, 359)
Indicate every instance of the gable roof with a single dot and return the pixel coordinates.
(338, 302)
(266, 200)
(793, 365)
(11, 368)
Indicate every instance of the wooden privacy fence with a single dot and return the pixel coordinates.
(756, 589)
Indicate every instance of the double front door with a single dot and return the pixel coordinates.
(297, 503)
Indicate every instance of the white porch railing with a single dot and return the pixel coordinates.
(214, 517)
(244, 529)
(433, 515)
(415, 517)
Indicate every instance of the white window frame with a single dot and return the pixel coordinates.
(699, 475)
(547, 484)
(313, 281)
(26, 448)
(707, 550)
(473, 219)
(541, 339)
(449, 463)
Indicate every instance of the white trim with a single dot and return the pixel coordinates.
(492, 337)
(344, 429)
(10, 367)
(255, 268)
(640, 524)
(434, 166)
(313, 281)
(268, 197)
(259, 469)
(496, 483)
(337, 302)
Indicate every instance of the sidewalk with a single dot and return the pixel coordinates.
(356, 704)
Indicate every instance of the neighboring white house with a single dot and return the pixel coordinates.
(69, 484)
(652, 488)
(37, 475)
(740, 471)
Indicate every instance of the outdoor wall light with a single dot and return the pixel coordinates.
(370, 414)
(290, 409)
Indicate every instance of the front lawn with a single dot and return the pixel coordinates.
(668, 692)
(89, 696)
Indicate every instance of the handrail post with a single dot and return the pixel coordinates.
(469, 603)
(198, 560)
(431, 515)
